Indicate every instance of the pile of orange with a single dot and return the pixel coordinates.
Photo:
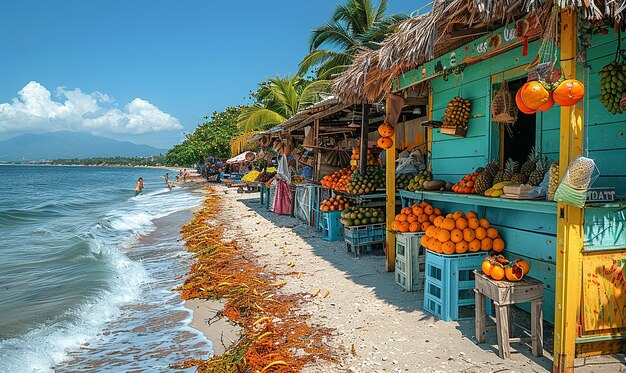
(459, 233)
(417, 218)
(498, 267)
(334, 204)
(337, 180)
(466, 184)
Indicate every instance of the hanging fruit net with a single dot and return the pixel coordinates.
(576, 180)
(547, 56)
(503, 107)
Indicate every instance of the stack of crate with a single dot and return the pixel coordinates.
(410, 261)
(364, 238)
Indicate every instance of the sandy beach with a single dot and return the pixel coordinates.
(377, 325)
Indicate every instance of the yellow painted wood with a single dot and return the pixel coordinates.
(569, 219)
(429, 140)
(390, 187)
(604, 308)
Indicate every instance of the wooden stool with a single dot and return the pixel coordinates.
(505, 294)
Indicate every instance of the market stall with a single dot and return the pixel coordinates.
(494, 137)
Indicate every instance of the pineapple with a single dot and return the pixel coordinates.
(554, 180)
(530, 164)
(499, 176)
(510, 168)
(519, 178)
(484, 180)
(536, 177)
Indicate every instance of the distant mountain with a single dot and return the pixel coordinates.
(54, 145)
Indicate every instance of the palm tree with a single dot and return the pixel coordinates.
(355, 25)
(278, 99)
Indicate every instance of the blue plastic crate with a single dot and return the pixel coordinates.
(364, 238)
(449, 283)
(332, 229)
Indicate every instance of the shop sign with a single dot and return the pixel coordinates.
(496, 42)
(600, 195)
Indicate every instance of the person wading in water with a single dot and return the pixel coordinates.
(139, 186)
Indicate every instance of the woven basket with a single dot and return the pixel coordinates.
(503, 107)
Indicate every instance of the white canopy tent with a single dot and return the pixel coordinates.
(245, 156)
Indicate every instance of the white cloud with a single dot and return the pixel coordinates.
(34, 109)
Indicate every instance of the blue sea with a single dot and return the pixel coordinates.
(87, 268)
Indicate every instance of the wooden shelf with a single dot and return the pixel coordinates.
(543, 207)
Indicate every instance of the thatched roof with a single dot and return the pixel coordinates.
(423, 38)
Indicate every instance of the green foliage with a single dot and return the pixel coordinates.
(278, 99)
(156, 160)
(354, 26)
(211, 138)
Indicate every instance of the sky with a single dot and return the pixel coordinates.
(145, 71)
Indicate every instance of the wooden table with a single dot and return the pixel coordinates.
(505, 294)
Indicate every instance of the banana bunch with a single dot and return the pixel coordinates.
(337, 159)
(497, 189)
(457, 112)
(612, 84)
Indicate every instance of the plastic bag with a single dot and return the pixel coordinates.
(406, 166)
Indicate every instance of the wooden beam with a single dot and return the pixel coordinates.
(570, 235)
(316, 143)
(365, 121)
(323, 114)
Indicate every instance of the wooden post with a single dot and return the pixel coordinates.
(365, 124)
(569, 219)
(390, 212)
(316, 143)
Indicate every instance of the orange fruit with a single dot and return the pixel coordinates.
(404, 227)
(474, 246)
(449, 216)
(498, 244)
(431, 218)
(425, 225)
(435, 246)
(424, 240)
(468, 234)
(395, 225)
(492, 233)
(443, 235)
(480, 233)
(497, 272)
(457, 214)
(471, 214)
(486, 244)
(430, 231)
(486, 266)
(461, 247)
(422, 218)
(438, 221)
(406, 210)
(514, 273)
(436, 211)
(414, 227)
(428, 209)
(411, 218)
(448, 247)
(401, 217)
(522, 263)
(448, 224)
(461, 223)
(484, 223)
(456, 235)
(473, 223)
(417, 210)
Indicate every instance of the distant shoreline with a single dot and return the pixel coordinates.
(91, 165)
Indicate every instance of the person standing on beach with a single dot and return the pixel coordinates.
(139, 186)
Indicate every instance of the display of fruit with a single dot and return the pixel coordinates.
(402, 180)
(521, 106)
(337, 158)
(498, 189)
(571, 91)
(356, 156)
(251, 176)
(337, 180)
(373, 179)
(417, 182)
(553, 184)
(266, 176)
(416, 218)
(337, 203)
(457, 112)
(466, 184)
(459, 233)
(352, 216)
(536, 177)
(612, 85)
(499, 268)
(485, 178)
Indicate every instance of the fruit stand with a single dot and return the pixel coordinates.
(504, 107)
